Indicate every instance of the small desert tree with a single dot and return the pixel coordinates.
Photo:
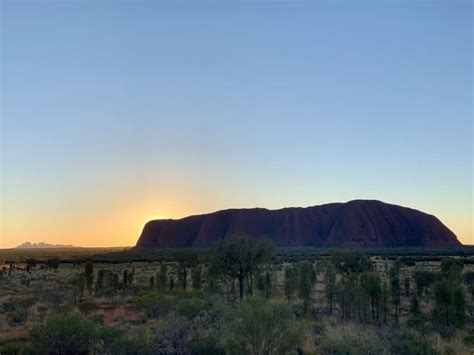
(237, 257)
(394, 275)
(443, 296)
(350, 295)
(330, 283)
(130, 277)
(186, 259)
(468, 279)
(196, 274)
(423, 279)
(314, 278)
(415, 306)
(304, 283)
(450, 301)
(125, 278)
(99, 284)
(375, 292)
(384, 296)
(351, 262)
(458, 307)
(163, 276)
(290, 281)
(406, 284)
(30, 263)
(80, 283)
(452, 269)
(89, 274)
(267, 285)
(52, 263)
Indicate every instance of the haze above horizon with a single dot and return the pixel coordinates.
(113, 114)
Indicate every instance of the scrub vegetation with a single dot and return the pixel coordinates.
(243, 296)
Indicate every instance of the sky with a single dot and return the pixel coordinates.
(117, 112)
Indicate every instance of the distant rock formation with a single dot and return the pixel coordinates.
(358, 223)
(42, 245)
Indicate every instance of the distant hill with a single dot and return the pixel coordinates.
(42, 245)
(358, 223)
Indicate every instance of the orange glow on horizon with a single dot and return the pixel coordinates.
(123, 227)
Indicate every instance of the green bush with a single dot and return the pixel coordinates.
(16, 348)
(190, 307)
(107, 336)
(261, 327)
(410, 342)
(17, 317)
(206, 347)
(469, 339)
(64, 334)
(154, 304)
(353, 340)
(88, 307)
(17, 310)
(132, 346)
(172, 335)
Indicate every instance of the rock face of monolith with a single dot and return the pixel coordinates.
(358, 223)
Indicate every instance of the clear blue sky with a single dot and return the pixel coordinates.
(117, 112)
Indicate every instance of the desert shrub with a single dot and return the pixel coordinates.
(318, 328)
(209, 322)
(17, 317)
(444, 330)
(468, 279)
(340, 346)
(207, 346)
(16, 348)
(97, 318)
(8, 307)
(410, 342)
(136, 345)
(88, 307)
(454, 345)
(351, 339)
(42, 311)
(420, 325)
(154, 304)
(17, 310)
(469, 339)
(261, 327)
(190, 307)
(171, 336)
(106, 336)
(64, 334)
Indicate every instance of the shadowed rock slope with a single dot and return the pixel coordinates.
(358, 223)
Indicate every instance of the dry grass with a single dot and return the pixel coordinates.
(454, 345)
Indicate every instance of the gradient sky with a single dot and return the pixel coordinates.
(114, 113)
